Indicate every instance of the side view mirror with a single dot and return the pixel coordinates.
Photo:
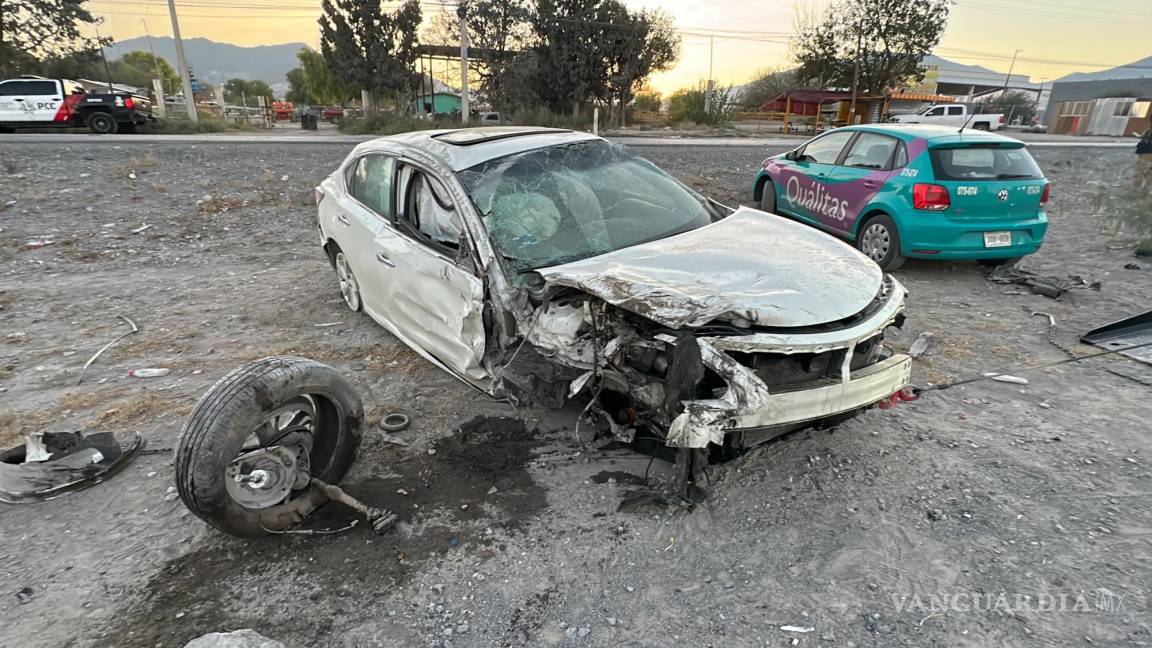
(791, 155)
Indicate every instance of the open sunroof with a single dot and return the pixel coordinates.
(470, 136)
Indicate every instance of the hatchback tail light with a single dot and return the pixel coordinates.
(931, 197)
(1044, 196)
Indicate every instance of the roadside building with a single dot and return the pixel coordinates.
(437, 102)
(1109, 107)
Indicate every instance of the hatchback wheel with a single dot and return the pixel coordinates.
(768, 197)
(349, 287)
(880, 241)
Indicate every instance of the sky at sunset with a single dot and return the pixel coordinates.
(1056, 37)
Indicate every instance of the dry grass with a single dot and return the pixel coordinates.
(143, 406)
(138, 163)
(219, 204)
(394, 359)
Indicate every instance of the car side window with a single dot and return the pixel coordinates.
(428, 210)
(955, 110)
(901, 159)
(13, 89)
(825, 149)
(936, 112)
(871, 151)
(37, 88)
(371, 183)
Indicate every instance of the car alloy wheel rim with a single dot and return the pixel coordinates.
(348, 286)
(876, 241)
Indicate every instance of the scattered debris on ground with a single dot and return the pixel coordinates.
(50, 464)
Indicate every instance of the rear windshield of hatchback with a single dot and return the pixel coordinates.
(984, 163)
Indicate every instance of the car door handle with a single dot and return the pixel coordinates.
(343, 219)
(385, 260)
(870, 184)
(17, 99)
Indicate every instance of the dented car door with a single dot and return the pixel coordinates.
(433, 298)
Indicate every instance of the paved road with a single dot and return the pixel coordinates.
(287, 136)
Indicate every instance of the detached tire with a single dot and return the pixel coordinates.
(241, 404)
(101, 123)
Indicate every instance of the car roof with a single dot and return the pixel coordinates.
(935, 134)
(461, 148)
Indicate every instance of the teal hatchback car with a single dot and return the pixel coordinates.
(910, 190)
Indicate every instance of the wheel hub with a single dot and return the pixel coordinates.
(875, 242)
(262, 478)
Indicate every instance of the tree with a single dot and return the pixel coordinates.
(597, 49)
(643, 42)
(1013, 103)
(370, 48)
(34, 30)
(886, 38)
(500, 29)
(146, 65)
(321, 82)
(241, 91)
(298, 88)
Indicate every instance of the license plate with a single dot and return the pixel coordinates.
(997, 239)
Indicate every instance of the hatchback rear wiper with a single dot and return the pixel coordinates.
(1014, 176)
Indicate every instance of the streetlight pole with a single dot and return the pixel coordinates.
(462, 14)
(185, 78)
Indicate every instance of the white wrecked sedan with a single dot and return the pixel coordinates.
(540, 263)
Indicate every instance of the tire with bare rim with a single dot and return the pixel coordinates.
(879, 240)
(284, 418)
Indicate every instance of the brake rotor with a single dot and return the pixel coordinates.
(262, 478)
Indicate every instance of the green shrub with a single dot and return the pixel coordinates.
(387, 123)
(541, 116)
(687, 105)
(183, 126)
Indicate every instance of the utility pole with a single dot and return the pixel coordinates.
(155, 60)
(462, 13)
(185, 78)
(708, 86)
(103, 57)
(855, 79)
(1008, 77)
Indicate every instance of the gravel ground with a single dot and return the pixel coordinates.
(979, 492)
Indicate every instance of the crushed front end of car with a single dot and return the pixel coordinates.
(712, 336)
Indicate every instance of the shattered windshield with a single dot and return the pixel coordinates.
(564, 203)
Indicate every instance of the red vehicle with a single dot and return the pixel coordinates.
(331, 113)
(283, 110)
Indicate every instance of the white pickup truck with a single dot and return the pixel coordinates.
(953, 115)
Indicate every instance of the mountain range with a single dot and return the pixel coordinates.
(1133, 70)
(217, 62)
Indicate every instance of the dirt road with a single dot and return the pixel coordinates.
(902, 528)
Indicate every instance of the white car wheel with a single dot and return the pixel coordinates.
(349, 288)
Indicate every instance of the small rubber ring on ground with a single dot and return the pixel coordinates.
(395, 423)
